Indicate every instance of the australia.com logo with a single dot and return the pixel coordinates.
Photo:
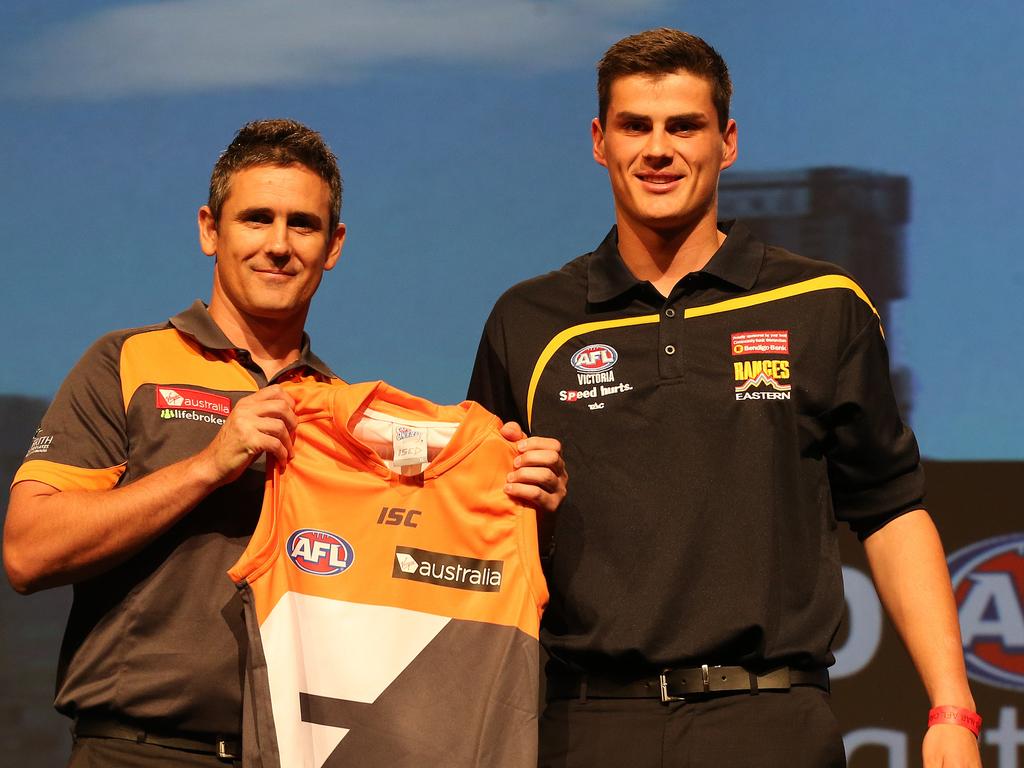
(988, 581)
(320, 553)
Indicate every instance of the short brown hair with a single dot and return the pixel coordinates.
(660, 52)
(281, 143)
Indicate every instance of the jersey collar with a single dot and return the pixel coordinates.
(737, 262)
(197, 323)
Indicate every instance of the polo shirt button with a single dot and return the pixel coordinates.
(670, 350)
(670, 312)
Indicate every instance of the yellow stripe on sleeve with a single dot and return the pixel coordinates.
(807, 286)
(64, 477)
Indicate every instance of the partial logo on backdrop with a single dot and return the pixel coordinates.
(988, 581)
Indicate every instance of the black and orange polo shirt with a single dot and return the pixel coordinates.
(713, 439)
(159, 639)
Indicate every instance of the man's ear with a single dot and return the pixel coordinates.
(334, 247)
(207, 231)
(597, 136)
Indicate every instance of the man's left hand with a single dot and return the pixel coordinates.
(539, 478)
(950, 746)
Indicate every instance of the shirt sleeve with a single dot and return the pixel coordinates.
(82, 442)
(873, 460)
(489, 383)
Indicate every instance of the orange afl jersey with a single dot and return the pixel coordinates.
(393, 590)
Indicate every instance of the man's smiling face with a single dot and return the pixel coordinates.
(663, 150)
(272, 242)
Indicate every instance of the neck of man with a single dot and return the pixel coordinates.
(663, 257)
(272, 342)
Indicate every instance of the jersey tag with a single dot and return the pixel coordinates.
(410, 445)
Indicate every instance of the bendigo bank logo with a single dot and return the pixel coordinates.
(447, 570)
(320, 553)
(191, 404)
(762, 380)
(988, 582)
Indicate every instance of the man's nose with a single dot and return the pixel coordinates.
(658, 149)
(278, 240)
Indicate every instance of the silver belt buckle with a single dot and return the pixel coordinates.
(222, 750)
(663, 684)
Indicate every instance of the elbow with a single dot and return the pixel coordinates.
(21, 576)
(23, 566)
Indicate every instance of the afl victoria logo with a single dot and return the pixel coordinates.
(320, 553)
(594, 358)
(988, 581)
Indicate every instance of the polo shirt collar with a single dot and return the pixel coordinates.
(197, 323)
(738, 262)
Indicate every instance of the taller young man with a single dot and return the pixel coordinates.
(146, 477)
(721, 403)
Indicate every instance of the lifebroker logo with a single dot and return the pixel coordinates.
(594, 363)
(988, 582)
(320, 553)
(191, 404)
(762, 380)
(447, 570)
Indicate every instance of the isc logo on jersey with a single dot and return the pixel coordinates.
(988, 581)
(320, 553)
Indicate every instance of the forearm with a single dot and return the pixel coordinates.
(55, 537)
(910, 574)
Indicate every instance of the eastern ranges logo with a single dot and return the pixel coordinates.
(762, 380)
(192, 405)
(988, 582)
(320, 553)
(447, 570)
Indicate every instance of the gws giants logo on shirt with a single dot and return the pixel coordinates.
(762, 380)
(447, 570)
(190, 404)
(320, 553)
(988, 582)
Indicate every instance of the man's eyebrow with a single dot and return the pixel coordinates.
(247, 213)
(310, 217)
(693, 117)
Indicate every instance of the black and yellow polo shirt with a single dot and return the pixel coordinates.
(158, 639)
(713, 439)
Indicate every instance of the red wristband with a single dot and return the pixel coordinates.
(948, 715)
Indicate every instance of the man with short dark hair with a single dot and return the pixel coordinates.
(722, 403)
(146, 477)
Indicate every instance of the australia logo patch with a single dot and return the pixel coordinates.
(192, 405)
(988, 583)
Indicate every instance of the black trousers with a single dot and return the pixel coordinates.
(773, 729)
(94, 752)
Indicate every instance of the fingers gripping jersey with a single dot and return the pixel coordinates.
(393, 611)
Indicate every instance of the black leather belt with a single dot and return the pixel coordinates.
(677, 684)
(226, 748)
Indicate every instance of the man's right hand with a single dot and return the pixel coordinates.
(262, 422)
(54, 537)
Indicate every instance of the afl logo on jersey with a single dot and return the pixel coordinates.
(320, 553)
(594, 358)
(988, 582)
